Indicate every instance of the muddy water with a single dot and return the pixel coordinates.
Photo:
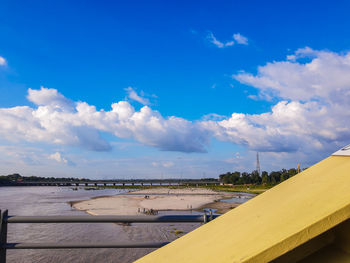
(54, 201)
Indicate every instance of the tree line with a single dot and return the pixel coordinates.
(272, 178)
(18, 178)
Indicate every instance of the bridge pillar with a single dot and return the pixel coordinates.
(151, 184)
(123, 184)
(113, 184)
(86, 184)
(132, 184)
(95, 184)
(141, 184)
(76, 184)
(104, 184)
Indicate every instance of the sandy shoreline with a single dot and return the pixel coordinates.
(160, 199)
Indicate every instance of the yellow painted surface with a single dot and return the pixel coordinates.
(272, 223)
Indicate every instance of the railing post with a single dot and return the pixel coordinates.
(3, 235)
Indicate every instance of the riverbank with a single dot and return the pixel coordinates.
(253, 189)
(154, 199)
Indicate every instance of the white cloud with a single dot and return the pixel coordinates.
(132, 94)
(218, 43)
(291, 126)
(51, 97)
(166, 164)
(253, 97)
(58, 158)
(310, 116)
(240, 39)
(325, 77)
(57, 120)
(3, 61)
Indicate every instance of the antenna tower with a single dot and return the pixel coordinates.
(257, 163)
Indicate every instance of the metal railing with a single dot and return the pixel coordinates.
(5, 219)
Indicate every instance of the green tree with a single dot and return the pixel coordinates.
(284, 176)
(292, 172)
(246, 178)
(255, 177)
(235, 177)
(264, 178)
(275, 177)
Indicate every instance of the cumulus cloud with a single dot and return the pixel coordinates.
(325, 77)
(57, 157)
(239, 39)
(291, 126)
(51, 97)
(3, 61)
(132, 94)
(311, 89)
(311, 114)
(57, 120)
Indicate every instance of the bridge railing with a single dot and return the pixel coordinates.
(5, 219)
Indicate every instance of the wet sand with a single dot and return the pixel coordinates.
(220, 207)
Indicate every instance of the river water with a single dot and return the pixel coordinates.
(27, 201)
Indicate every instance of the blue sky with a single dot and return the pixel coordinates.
(183, 68)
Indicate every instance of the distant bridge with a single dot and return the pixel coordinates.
(142, 182)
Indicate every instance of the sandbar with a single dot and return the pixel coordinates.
(157, 199)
